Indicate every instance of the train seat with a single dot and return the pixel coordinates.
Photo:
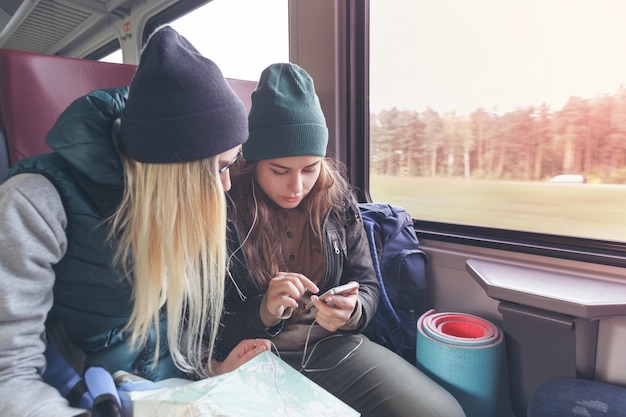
(36, 88)
(243, 89)
(577, 397)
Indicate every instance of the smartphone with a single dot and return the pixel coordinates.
(341, 289)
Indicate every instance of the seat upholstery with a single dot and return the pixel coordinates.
(243, 89)
(565, 397)
(4, 156)
(36, 88)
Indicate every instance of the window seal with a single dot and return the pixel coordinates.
(601, 252)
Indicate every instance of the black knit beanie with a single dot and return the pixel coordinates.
(180, 107)
(286, 118)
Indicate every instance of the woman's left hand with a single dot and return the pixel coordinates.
(242, 353)
(335, 311)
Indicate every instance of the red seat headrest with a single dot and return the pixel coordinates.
(36, 88)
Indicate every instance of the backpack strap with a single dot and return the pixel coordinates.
(63, 377)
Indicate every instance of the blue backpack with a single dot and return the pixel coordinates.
(401, 270)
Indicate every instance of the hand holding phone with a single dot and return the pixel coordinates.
(341, 289)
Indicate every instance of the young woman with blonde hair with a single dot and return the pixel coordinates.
(114, 244)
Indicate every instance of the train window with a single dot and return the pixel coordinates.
(507, 115)
(241, 36)
(115, 57)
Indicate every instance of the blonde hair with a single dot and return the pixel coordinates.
(170, 230)
(254, 218)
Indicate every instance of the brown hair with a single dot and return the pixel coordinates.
(259, 229)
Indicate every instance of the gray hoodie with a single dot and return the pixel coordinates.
(33, 222)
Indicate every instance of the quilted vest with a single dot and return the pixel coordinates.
(91, 299)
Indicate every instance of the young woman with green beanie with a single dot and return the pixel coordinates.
(116, 240)
(297, 233)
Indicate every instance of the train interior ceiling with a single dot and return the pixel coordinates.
(75, 28)
(46, 26)
(562, 316)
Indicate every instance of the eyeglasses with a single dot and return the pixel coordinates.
(230, 164)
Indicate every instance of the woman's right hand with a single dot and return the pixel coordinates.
(284, 291)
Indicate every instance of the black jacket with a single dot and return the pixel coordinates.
(347, 259)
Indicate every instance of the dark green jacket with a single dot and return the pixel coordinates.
(91, 300)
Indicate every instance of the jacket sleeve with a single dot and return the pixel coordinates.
(32, 226)
(359, 267)
(241, 318)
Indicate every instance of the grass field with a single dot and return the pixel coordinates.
(583, 210)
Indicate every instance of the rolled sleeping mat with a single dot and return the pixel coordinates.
(463, 353)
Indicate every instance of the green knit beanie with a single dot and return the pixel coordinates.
(285, 118)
